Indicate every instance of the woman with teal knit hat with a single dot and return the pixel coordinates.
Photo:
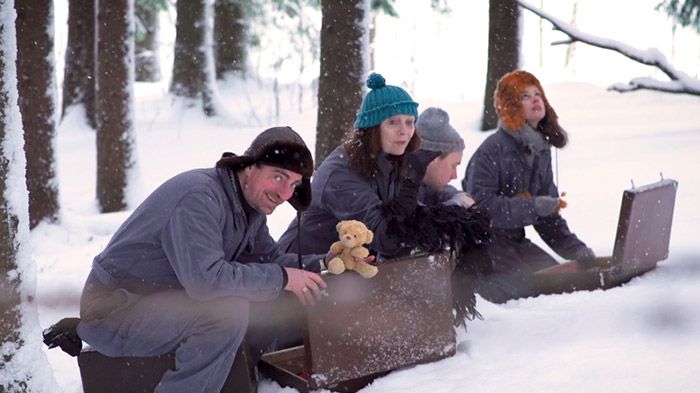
(373, 176)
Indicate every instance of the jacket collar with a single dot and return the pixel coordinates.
(383, 164)
(229, 185)
(526, 137)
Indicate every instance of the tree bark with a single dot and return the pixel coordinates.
(36, 102)
(10, 133)
(191, 69)
(503, 53)
(114, 102)
(147, 64)
(229, 38)
(79, 72)
(340, 84)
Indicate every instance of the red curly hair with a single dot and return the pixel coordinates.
(507, 103)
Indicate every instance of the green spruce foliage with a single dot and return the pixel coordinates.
(684, 12)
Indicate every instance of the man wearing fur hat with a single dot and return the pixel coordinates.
(511, 176)
(191, 266)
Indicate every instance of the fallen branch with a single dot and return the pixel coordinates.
(680, 82)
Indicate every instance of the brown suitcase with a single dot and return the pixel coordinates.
(364, 328)
(103, 374)
(642, 240)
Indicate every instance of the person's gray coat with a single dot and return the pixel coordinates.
(503, 176)
(193, 233)
(181, 275)
(340, 193)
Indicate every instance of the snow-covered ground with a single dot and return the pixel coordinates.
(641, 337)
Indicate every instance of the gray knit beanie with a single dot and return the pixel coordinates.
(436, 133)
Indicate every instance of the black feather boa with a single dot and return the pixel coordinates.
(465, 232)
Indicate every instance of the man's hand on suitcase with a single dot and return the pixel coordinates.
(305, 285)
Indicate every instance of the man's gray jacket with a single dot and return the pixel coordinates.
(193, 233)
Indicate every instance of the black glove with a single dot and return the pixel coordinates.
(405, 202)
(64, 334)
(417, 163)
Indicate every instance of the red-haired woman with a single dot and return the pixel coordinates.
(510, 175)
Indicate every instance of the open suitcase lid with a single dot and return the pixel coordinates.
(642, 240)
(644, 227)
(367, 327)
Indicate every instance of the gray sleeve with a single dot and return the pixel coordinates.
(507, 212)
(349, 197)
(266, 250)
(553, 229)
(429, 196)
(193, 243)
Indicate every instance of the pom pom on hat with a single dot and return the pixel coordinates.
(382, 102)
(436, 132)
(375, 81)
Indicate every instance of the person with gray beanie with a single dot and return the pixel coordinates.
(438, 135)
(449, 213)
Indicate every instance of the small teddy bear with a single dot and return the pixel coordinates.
(353, 234)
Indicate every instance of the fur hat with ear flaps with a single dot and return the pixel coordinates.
(509, 108)
(280, 147)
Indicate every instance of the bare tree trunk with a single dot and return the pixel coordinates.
(11, 169)
(147, 65)
(79, 72)
(229, 38)
(191, 68)
(503, 54)
(10, 317)
(343, 43)
(36, 101)
(114, 102)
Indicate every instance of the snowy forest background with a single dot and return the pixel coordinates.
(86, 136)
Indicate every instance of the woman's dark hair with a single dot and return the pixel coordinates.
(363, 146)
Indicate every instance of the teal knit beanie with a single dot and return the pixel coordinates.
(383, 101)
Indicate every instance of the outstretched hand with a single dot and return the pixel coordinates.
(305, 285)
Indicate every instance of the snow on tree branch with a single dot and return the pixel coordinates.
(680, 82)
